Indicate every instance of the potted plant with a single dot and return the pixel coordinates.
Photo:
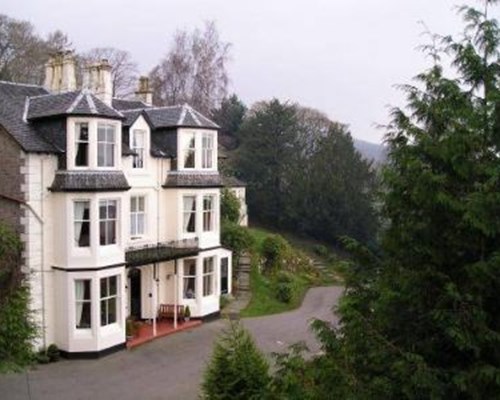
(187, 314)
(130, 328)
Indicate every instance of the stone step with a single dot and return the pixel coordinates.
(245, 260)
(242, 268)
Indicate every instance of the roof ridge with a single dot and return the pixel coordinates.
(75, 102)
(26, 108)
(182, 116)
(90, 102)
(193, 115)
(55, 94)
(22, 84)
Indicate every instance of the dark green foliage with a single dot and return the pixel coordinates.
(229, 116)
(53, 353)
(285, 289)
(229, 206)
(235, 237)
(422, 319)
(237, 370)
(303, 173)
(275, 250)
(17, 329)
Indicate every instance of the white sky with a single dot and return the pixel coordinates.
(339, 56)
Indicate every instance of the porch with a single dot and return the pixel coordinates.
(145, 332)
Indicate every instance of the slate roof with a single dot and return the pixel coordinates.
(193, 180)
(123, 104)
(80, 102)
(89, 181)
(12, 108)
(232, 181)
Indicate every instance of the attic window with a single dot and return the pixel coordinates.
(137, 147)
(189, 151)
(106, 145)
(82, 145)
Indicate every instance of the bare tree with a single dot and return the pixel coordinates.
(193, 70)
(124, 69)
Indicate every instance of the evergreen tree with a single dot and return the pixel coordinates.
(237, 370)
(423, 320)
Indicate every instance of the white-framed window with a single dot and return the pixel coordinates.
(208, 213)
(189, 214)
(208, 276)
(137, 145)
(81, 144)
(81, 223)
(108, 218)
(207, 150)
(189, 287)
(109, 300)
(83, 304)
(137, 216)
(189, 152)
(106, 143)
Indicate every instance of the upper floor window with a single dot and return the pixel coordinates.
(81, 218)
(137, 216)
(109, 300)
(138, 146)
(189, 151)
(189, 211)
(106, 142)
(107, 222)
(82, 144)
(207, 150)
(208, 213)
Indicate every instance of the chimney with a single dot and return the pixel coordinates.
(60, 72)
(144, 92)
(97, 79)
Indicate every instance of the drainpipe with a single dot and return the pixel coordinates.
(42, 255)
(175, 294)
(155, 296)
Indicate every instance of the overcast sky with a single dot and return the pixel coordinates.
(342, 57)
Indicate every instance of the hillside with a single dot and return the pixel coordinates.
(371, 151)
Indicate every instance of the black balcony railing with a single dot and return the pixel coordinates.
(158, 252)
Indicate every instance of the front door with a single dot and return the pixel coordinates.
(135, 293)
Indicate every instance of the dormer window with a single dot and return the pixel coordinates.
(82, 144)
(106, 145)
(137, 146)
(207, 150)
(189, 151)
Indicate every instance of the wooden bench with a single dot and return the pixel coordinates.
(167, 311)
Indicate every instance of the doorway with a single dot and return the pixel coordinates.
(224, 275)
(135, 293)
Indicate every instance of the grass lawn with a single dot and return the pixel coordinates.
(264, 301)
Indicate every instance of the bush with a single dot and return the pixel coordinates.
(237, 369)
(235, 237)
(285, 288)
(275, 250)
(229, 206)
(321, 250)
(53, 353)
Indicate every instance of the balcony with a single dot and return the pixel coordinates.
(158, 252)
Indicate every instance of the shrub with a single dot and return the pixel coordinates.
(53, 353)
(237, 369)
(235, 237)
(320, 250)
(275, 250)
(285, 288)
(229, 206)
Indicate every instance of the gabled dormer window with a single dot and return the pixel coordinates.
(106, 142)
(137, 146)
(189, 151)
(207, 150)
(82, 144)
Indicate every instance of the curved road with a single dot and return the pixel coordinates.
(168, 368)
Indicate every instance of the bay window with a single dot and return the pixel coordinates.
(189, 214)
(208, 276)
(83, 303)
(107, 222)
(137, 146)
(106, 145)
(109, 300)
(81, 223)
(189, 287)
(82, 144)
(137, 216)
(208, 213)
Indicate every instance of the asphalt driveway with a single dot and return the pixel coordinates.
(169, 368)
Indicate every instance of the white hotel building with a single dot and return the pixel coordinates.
(116, 202)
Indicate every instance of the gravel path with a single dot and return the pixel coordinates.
(168, 368)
